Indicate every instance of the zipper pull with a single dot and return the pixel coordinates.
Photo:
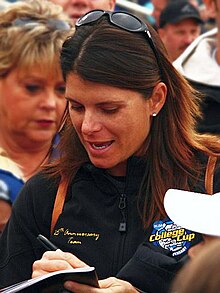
(122, 227)
(122, 206)
(122, 202)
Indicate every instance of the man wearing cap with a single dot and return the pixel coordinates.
(200, 64)
(179, 25)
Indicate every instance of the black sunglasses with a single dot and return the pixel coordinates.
(124, 20)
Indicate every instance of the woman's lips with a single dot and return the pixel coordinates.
(45, 123)
(97, 148)
(101, 145)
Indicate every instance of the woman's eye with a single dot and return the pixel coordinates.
(32, 88)
(76, 107)
(61, 89)
(110, 110)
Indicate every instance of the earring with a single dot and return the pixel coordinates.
(154, 114)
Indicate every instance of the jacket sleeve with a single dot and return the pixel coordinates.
(151, 269)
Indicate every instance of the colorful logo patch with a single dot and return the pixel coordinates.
(168, 235)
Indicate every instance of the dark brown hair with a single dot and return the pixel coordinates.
(103, 53)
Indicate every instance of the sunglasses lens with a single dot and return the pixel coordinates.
(90, 17)
(126, 21)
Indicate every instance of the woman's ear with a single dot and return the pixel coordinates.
(158, 98)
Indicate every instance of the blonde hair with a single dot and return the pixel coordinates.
(30, 35)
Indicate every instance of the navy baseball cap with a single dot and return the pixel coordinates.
(176, 11)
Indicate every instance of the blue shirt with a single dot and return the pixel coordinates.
(10, 185)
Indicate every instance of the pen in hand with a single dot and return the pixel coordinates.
(46, 243)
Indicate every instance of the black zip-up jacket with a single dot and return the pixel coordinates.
(99, 224)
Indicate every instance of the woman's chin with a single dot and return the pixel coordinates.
(102, 165)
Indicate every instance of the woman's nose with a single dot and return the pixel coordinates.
(49, 101)
(90, 124)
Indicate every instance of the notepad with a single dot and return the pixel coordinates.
(53, 282)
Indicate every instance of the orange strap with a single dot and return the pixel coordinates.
(59, 202)
(209, 174)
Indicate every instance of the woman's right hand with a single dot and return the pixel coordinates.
(53, 261)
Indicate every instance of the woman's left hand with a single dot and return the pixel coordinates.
(109, 285)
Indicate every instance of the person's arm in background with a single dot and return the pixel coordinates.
(5, 212)
(10, 186)
(5, 202)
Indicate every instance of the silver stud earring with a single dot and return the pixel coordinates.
(154, 114)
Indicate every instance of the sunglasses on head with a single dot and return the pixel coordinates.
(124, 20)
(55, 24)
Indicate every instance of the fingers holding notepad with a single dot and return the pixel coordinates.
(52, 261)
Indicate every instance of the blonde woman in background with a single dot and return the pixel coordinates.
(31, 85)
